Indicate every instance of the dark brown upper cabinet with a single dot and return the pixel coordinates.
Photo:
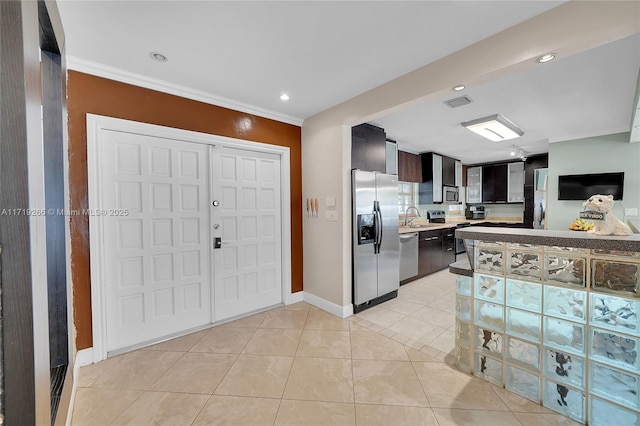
(494, 183)
(448, 171)
(409, 167)
(369, 148)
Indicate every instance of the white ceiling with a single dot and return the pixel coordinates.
(584, 95)
(324, 52)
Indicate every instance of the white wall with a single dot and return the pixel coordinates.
(602, 154)
(326, 138)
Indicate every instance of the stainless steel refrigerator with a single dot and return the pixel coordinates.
(376, 242)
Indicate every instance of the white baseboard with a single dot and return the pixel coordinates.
(292, 298)
(325, 305)
(83, 357)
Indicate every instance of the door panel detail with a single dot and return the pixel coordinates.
(246, 277)
(157, 271)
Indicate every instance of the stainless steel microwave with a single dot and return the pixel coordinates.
(450, 194)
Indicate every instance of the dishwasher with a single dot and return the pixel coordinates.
(408, 256)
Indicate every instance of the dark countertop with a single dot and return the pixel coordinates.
(461, 267)
(452, 224)
(551, 238)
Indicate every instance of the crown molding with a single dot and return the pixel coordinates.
(117, 74)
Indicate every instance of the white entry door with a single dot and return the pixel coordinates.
(155, 197)
(246, 218)
(160, 198)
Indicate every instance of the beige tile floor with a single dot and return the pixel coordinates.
(298, 365)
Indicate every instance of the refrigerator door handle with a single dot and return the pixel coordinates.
(377, 227)
(381, 227)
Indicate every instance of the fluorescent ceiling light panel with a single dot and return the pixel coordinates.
(495, 127)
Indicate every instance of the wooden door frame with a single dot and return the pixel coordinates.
(96, 124)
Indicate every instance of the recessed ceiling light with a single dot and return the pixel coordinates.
(284, 97)
(546, 58)
(459, 87)
(158, 57)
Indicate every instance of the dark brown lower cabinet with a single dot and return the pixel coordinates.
(448, 247)
(436, 250)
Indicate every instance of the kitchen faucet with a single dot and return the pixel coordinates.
(406, 214)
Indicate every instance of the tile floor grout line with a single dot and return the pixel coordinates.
(435, 356)
(201, 409)
(126, 408)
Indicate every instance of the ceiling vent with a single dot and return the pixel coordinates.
(458, 102)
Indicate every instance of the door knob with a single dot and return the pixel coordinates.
(216, 203)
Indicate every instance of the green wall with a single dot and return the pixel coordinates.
(601, 154)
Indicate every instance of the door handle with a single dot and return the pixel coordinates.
(217, 242)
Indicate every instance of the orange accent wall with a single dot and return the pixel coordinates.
(95, 95)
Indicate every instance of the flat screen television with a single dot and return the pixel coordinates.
(581, 187)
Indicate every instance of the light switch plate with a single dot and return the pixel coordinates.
(331, 216)
(631, 212)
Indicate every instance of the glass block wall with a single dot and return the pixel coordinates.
(556, 325)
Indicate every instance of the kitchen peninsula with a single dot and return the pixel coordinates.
(553, 317)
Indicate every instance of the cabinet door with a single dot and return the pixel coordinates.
(431, 186)
(424, 253)
(409, 167)
(474, 184)
(515, 182)
(458, 177)
(500, 183)
(435, 251)
(448, 171)
(494, 183)
(391, 158)
(437, 178)
(358, 148)
(448, 247)
(368, 148)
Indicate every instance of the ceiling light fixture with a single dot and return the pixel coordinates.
(517, 151)
(158, 57)
(495, 127)
(546, 58)
(284, 97)
(459, 87)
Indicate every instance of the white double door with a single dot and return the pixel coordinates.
(165, 204)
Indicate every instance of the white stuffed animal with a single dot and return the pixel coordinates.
(611, 225)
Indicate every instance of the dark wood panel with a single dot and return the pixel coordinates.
(409, 167)
(368, 148)
(359, 149)
(433, 251)
(17, 300)
(448, 171)
(494, 183)
(53, 104)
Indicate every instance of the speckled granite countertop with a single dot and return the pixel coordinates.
(451, 223)
(461, 267)
(551, 238)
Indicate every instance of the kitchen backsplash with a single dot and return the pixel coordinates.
(491, 210)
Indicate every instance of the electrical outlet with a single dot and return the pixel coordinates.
(631, 212)
(331, 216)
